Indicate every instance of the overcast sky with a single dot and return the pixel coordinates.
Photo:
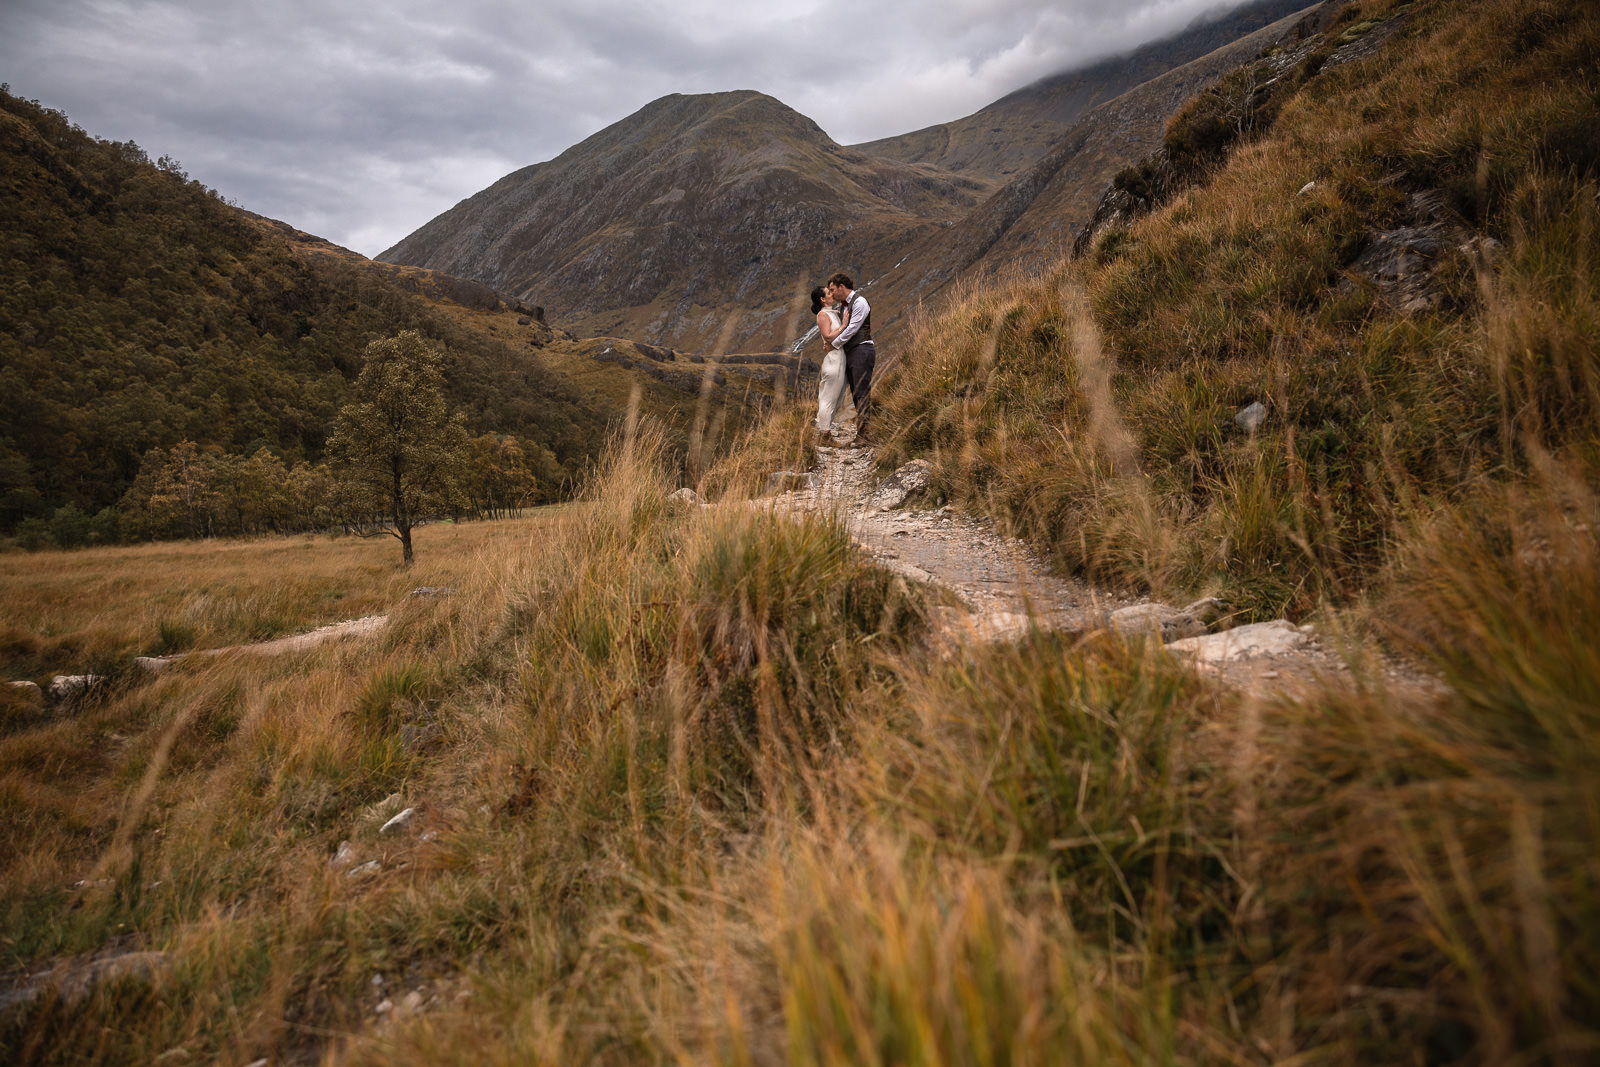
(360, 120)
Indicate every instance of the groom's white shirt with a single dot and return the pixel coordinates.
(859, 309)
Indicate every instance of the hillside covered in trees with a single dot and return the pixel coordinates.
(140, 313)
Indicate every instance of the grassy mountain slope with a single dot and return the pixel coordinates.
(693, 208)
(1245, 289)
(137, 309)
(1031, 221)
(1006, 138)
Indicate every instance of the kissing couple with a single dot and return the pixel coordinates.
(845, 320)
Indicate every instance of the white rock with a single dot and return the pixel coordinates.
(1307, 189)
(399, 822)
(1250, 419)
(67, 691)
(344, 857)
(908, 481)
(369, 867)
(686, 497)
(1243, 642)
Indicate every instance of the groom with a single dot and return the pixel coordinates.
(855, 340)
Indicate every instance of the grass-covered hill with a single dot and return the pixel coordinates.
(663, 784)
(1394, 256)
(138, 310)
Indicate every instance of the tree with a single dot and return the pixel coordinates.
(398, 445)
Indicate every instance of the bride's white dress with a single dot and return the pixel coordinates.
(830, 387)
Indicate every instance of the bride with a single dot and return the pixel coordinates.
(830, 388)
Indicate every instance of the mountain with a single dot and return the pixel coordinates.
(700, 222)
(693, 208)
(1005, 138)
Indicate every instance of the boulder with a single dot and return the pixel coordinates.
(1243, 642)
(909, 481)
(685, 497)
(73, 981)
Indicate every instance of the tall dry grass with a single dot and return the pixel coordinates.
(1240, 291)
(699, 794)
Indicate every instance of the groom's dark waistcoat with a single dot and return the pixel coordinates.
(863, 334)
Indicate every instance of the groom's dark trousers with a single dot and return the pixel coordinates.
(858, 364)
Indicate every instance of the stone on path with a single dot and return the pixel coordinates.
(1243, 642)
(911, 480)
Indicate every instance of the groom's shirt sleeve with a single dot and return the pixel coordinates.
(859, 309)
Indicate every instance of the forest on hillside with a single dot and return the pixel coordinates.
(142, 314)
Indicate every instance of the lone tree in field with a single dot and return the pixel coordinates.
(398, 444)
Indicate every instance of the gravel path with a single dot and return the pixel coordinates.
(1004, 587)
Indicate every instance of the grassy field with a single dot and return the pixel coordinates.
(84, 611)
(692, 788)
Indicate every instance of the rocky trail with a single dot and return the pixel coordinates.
(1001, 588)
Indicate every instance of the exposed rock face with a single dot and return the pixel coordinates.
(1401, 263)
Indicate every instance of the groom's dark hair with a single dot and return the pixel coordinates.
(842, 279)
(816, 300)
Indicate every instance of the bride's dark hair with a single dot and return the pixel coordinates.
(816, 300)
